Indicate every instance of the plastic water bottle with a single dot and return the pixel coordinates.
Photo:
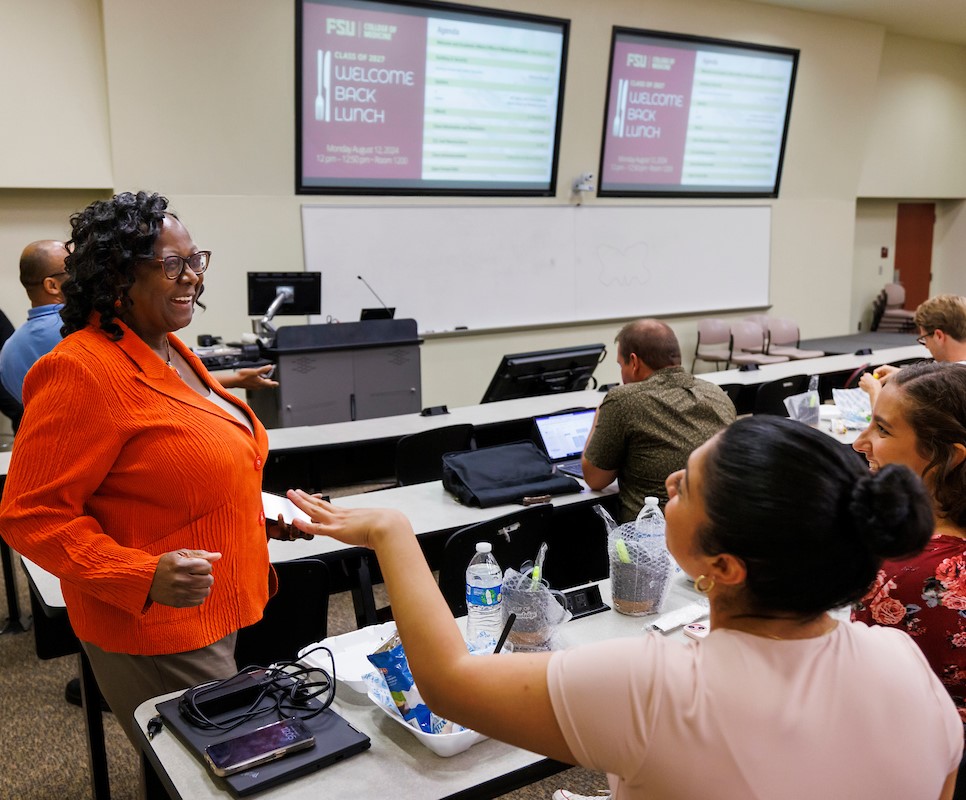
(650, 520)
(484, 585)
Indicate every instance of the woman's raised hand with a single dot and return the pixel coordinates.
(353, 526)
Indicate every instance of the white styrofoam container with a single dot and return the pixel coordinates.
(443, 744)
(349, 651)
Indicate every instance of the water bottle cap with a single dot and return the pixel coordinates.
(651, 501)
(484, 547)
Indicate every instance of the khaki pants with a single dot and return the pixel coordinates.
(126, 681)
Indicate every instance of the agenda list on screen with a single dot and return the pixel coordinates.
(399, 96)
(691, 116)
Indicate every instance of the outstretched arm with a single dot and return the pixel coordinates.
(505, 697)
(249, 378)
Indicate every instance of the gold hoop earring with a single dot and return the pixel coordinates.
(704, 589)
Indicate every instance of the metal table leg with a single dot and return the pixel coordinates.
(16, 622)
(94, 722)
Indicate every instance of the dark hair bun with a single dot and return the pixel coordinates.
(892, 512)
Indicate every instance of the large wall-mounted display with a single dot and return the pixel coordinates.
(400, 98)
(689, 116)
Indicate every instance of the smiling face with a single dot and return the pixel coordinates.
(161, 305)
(685, 512)
(890, 439)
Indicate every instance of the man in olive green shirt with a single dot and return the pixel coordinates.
(645, 429)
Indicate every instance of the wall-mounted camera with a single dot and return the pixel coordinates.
(584, 182)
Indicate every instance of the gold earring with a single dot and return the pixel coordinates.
(704, 589)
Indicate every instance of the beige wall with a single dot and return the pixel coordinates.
(916, 147)
(875, 228)
(198, 104)
(949, 248)
(915, 152)
(54, 124)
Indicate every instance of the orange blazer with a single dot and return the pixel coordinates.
(118, 461)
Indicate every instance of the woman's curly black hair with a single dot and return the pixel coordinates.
(108, 238)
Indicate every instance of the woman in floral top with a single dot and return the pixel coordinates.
(919, 420)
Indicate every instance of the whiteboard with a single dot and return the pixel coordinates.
(483, 267)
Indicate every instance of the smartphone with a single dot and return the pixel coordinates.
(697, 630)
(259, 746)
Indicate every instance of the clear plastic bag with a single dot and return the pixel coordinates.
(804, 407)
(640, 569)
(539, 611)
(855, 407)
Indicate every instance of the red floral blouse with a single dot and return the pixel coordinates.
(926, 597)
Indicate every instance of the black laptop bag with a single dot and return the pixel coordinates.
(505, 473)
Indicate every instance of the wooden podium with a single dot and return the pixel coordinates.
(340, 372)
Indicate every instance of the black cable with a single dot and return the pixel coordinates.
(289, 687)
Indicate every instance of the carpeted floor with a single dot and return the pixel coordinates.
(44, 744)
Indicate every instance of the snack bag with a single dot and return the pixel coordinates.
(390, 660)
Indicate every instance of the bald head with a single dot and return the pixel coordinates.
(653, 342)
(42, 271)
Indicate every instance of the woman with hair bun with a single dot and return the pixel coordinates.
(919, 421)
(780, 525)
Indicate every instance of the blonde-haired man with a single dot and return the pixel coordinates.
(941, 322)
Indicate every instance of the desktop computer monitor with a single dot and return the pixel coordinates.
(566, 369)
(306, 289)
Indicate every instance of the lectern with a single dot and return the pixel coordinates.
(341, 371)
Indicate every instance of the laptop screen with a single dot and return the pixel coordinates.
(563, 435)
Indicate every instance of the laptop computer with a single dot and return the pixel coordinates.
(376, 313)
(563, 435)
(335, 739)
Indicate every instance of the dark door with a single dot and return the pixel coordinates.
(914, 227)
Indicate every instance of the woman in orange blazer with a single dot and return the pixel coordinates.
(136, 478)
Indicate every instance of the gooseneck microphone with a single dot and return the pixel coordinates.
(373, 292)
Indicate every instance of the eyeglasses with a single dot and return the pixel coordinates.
(174, 266)
(922, 339)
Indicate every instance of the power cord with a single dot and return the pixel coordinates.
(288, 686)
